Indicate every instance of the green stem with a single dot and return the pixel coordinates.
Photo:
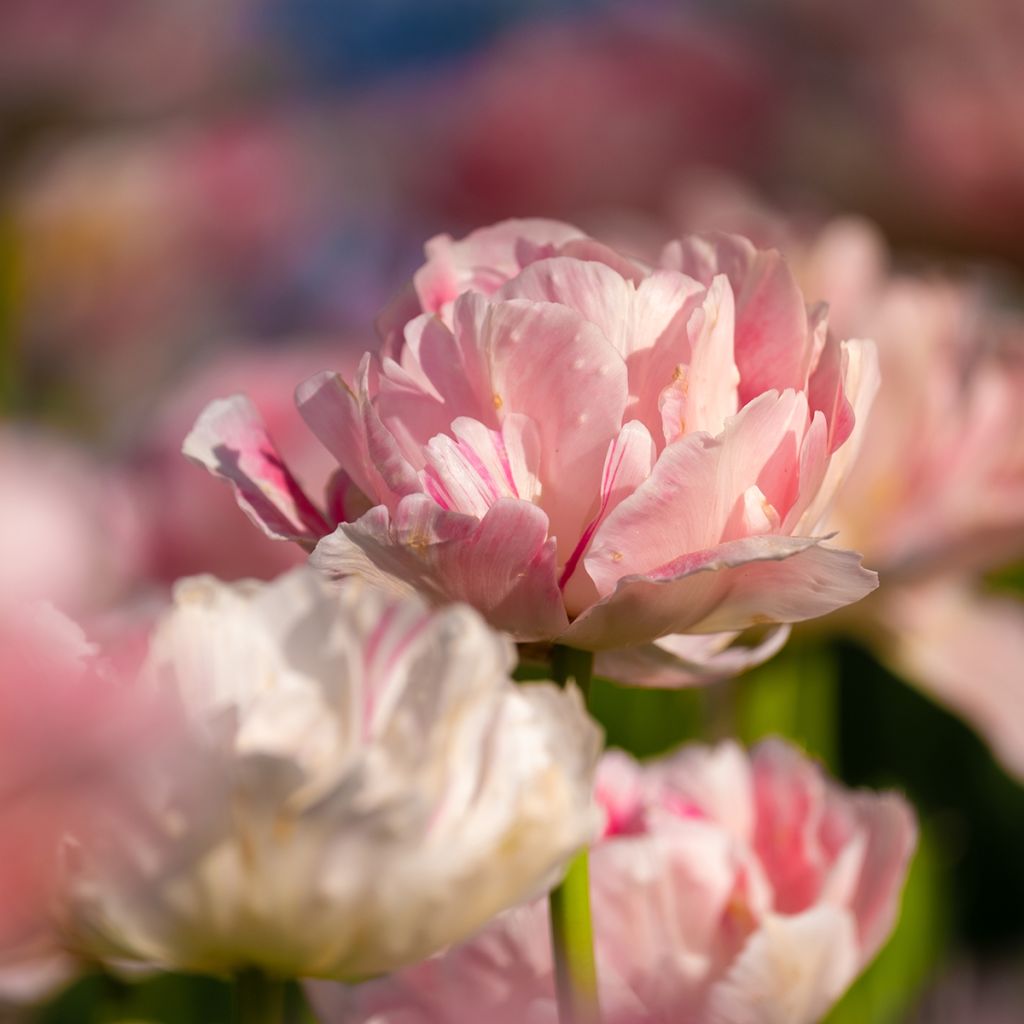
(259, 999)
(572, 937)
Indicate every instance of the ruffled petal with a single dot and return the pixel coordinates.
(753, 581)
(682, 660)
(230, 440)
(502, 564)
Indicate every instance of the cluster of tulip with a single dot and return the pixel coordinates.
(562, 454)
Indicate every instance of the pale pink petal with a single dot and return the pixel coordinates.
(773, 343)
(658, 903)
(559, 371)
(754, 581)
(628, 463)
(687, 502)
(484, 259)
(716, 782)
(791, 971)
(351, 429)
(472, 471)
(503, 564)
(442, 376)
(887, 824)
(590, 249)
(230, 440)
(860, 380)
(688, 660)
(966, 649)
(790, 795)
(594, 290)
(712, 377)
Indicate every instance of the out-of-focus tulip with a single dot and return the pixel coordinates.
(726, 890)
(563, 119)
(371, 786)
(70, 530)
(583, 448)
(69, 56)
(935, 495)
(72, 738)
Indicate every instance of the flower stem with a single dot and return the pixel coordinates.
(572, 937)
(258, 998)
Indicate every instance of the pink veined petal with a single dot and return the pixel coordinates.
(682, 660)
(687, 502)
(789, 792)
(803, 516)
(559, 371)
(438, 380)
(230, 440)
(754, 581)
(861, 378)
(628, 463)
(471, 472)
(352, 431)
(502, 564)
(773, 343)
(664, 304)
(825, 391)
(331, 411)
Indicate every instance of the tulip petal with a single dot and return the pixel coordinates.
(230, 440)
(791, 971)
(688, 500)
(773, 342)
(559, 371)
(682, 660)
(502, 564)
(741, 583)
(966, 650)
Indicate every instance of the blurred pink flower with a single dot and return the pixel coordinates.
(727, 890)
(71, 530)
(935, 496)
(71, 739)
(566, 118)
(581, 447)
(125, 56)
(923, 119)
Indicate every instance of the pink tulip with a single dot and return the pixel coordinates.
(935, 497)
(727, 890)
(585, 449)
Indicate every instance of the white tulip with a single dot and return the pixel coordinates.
(367, 786)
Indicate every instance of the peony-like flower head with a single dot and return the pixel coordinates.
(367, 785)
(728, 889)
(583, 448)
